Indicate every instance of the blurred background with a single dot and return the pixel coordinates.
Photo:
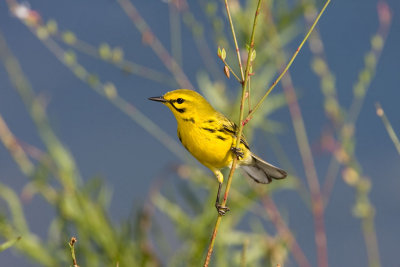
(85, 154)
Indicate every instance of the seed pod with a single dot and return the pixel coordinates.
(227, 72)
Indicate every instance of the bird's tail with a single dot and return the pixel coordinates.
(261, 171)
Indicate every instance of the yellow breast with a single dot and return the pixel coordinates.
(208, 141)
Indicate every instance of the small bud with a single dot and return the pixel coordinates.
(377, 42)
(105, 51)
(223, 54)
(42, 33)
(69, 37)
(51, 26)
(93, 80)
(227, 72)
(379, 112)
(253, 55)
(110, 90)
(117, 55)
(73, 241)
(350, 176)
(384, 13)
(219, 52)
(251, 70)
(69, 58)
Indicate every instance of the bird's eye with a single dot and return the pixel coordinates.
(180, 100)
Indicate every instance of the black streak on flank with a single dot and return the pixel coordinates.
(226, 128)
(190, 119)
(210, 130)
(244, 143)
(220, 137)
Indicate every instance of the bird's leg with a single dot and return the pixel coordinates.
(221, 210)
(238, 152)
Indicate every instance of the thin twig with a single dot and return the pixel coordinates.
(309, 166)
(9, 243)
(239, 133)
(388, 126)
(150, 39)
(72, 248)
(284, 231)
(310, 170)
(15, 149)
(231, 70)
(235, 40)
(257, 106)
(377, 43)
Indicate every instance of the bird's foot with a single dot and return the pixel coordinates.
(221, 210)
(238, 152)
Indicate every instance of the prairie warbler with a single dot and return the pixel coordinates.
(211, 138)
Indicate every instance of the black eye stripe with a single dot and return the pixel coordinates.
(180, 110)
(180, 100)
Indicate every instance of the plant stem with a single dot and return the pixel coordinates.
(9, 243)
(288, 65)
(234, 39)
(71, 246)
(231, 70)
(239, 133)
(317, 205)
(17, 152)
(388, 126)
(284, 231)
(155, 44)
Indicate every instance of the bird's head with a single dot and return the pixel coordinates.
(185, 103)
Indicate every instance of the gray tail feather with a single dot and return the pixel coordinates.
(263, 172)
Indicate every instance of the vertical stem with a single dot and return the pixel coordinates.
(284, 231)
(311, 174)
(239, 133)
(371, 241)
(234, 39)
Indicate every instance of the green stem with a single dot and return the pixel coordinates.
(72, 248)
(257, 106)
(239, 133)
(388, 126)
(231, 70)
(234, 39)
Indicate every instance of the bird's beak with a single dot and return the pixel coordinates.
(158, 99)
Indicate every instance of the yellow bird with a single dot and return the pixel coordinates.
(211, 138)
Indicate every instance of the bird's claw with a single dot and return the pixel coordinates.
(238, 152)
(221, 210)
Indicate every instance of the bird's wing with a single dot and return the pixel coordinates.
(231, 128)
